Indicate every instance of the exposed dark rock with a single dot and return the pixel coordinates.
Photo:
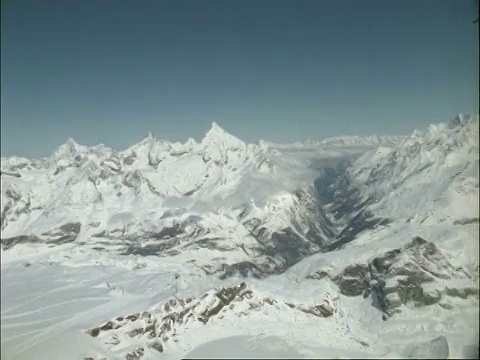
(398, 277)
(466, 221)
(130, 159)
(289, 245)
(169, 232)
(318, 275)
(209, 243)
(22, 239)
(13, 195)
(446, 306)
(135, 355)
(226, 296)
(157, 345)
(172, 252)
(135, 248)
(108, 326)
(150, 329)
(139, 266)
(322, 310)
(64, 234)
(7, 173)
(135, 332)
(269, 301)
(382, 263)
(461, 293)
(363, 343)
(132, 317)
(133, 180)
(190, 193)
(94, 332)
(354, 280)
(244, 268)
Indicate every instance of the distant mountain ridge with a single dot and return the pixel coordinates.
(264, 206)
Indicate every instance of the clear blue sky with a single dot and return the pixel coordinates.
(104, 71)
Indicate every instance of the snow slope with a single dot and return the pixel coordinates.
(199, 245)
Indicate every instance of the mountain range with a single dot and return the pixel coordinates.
(380, 223)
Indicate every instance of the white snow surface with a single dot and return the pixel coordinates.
(58, 282)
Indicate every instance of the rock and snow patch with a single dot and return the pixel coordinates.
(166, 323)
(419, 274)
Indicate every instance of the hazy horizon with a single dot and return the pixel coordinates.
(282, 71)
(199, 139)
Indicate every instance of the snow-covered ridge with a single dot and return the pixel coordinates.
(157, 197)
(161, 326)
(430, 176)
(215, 136)
(143, 250)
(374, 140)
(244, 193)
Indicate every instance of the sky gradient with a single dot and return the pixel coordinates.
(109, 71)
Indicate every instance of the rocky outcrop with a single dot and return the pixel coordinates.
(418, 274)
(354, 280)
(62, 235)
(162, 323)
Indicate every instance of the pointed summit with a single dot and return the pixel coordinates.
(216, 135)
(150, 135)
(72, 143)
(148, 140)
(456, 121)
(68, 148)
(215, 129)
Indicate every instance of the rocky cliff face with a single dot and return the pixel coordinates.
(162, 324)
(418, 274)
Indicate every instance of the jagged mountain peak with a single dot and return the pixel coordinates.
(69, 148)
(455, 132)
(217, 135)
(71, 142)
(148, 143)
(148, 139)
(461, 120)
(150, 135)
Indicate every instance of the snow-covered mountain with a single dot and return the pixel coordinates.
(251, 201)
(372, 140)
(401, 212)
